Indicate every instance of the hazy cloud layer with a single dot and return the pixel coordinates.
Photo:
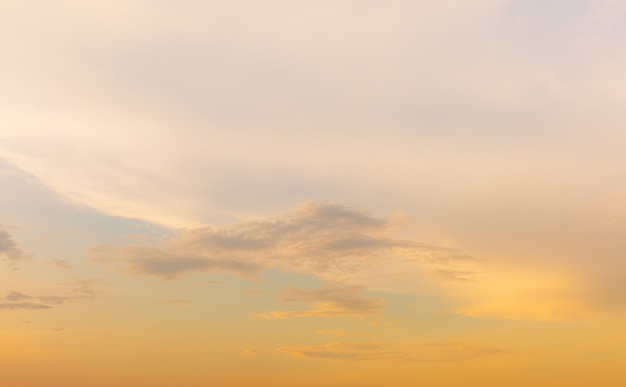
(179, 302)
(59, 263)
(427, 352)
(496, 125)
(337, 332)
(331, 301)
(250, 353)
(327, 239)
(456, 103)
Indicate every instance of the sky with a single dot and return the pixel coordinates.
(340, 193)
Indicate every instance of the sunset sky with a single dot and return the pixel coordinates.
(308, 193)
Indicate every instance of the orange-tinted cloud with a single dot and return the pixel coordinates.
(330, 301)
(421, 352)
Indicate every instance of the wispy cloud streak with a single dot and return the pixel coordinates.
(70, 292)
(331, 301)
(422, 352)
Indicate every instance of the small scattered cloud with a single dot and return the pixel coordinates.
(254, 292)
(88, 288)
(422, 352)
(330, 301)
(69, 292)
(455, 274)
(185, 303)
(251, 353)
(208, 282)
(337, 332)
(10, 252)
(59, 263)
(345, 351)
(22, 305)
(458, 351)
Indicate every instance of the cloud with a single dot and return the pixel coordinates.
(321, 238)
(169, 263)
(10, 252)
(59, 263)
(458, 351)
(185, 303)
(337, 332)
(251, 353)
(254, 292)
(424, 352)
(344, 351)
(23, 306)
(208, 282)
(69, 292)
(331, 301)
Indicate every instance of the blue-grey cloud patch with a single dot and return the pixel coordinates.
(10, 252)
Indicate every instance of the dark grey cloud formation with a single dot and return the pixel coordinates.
(10, 252)
(322, 238)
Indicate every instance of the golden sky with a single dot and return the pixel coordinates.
(331, 192)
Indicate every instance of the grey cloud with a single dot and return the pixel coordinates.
(169, 264)
(68, 292)
(322, 238)
(15, 296)
(9, 250)
(23, 306)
